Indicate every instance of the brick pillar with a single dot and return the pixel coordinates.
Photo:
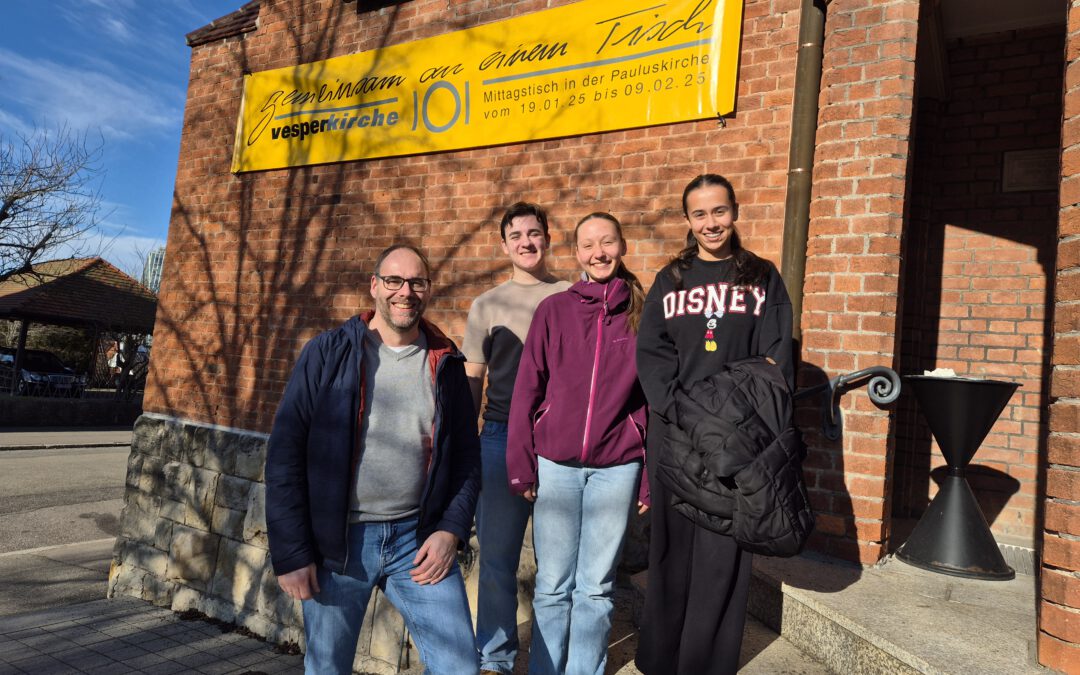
(850, 310)
(1059, 608)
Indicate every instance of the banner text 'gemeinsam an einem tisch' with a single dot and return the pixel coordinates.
(591, 66)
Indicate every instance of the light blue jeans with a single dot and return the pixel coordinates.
(501, 517)
(579, 524)
(437, 615)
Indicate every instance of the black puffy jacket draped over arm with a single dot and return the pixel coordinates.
(733, 458)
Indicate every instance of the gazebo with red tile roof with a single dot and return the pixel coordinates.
(79, 292)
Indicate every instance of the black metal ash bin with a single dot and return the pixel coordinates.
(953, 537)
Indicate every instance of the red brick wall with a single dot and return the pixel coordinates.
(258, 263)
(852, 274)
(261, 262)
(1059, 609)
(979, 263)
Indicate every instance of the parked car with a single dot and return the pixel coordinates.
(41, 373)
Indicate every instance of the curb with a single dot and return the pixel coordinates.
(65, 446)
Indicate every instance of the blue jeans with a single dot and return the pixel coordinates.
(579, 525)
(381, 554)
(501, 517)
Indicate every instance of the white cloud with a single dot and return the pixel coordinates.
(16, 126)
(52, 93)
(129, 252)
(118, 28)
(111, 4)
(125, 251)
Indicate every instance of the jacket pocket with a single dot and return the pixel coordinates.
(541, 412)
(538, 416)
(639, 430)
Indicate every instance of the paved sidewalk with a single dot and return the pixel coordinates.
(127, 635)
(30, 438)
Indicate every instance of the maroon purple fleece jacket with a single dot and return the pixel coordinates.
(576, 397)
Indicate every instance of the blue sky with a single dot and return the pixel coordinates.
(118, 67)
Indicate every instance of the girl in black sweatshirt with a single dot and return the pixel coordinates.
(714, 303)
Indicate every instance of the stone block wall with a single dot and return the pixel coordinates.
(193, 536)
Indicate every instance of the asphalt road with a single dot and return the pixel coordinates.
(59, 515)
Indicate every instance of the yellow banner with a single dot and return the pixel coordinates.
(594, 65)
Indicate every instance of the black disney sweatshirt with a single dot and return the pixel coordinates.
(688, 334)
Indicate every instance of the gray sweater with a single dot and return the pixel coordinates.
(395, 432)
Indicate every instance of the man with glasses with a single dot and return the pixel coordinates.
(494, 336)
(372, 475)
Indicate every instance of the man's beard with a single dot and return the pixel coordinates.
(399, 324)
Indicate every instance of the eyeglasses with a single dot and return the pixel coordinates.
(393, 283)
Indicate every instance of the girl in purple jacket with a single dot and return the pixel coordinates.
(576, 448)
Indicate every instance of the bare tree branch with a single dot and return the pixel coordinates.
(49, 196)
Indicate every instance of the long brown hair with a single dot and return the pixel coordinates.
(750, 270)
(637, 293)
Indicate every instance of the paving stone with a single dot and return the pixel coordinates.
(112, 669)
(38, 640)
(119, 630)
(169, 667)
(83, 658)
(50, 666)
(125, 651)
(173, 630)
(249, 658)
(231, 650)
(270, 667)
(154, 643)
(37, 663)
(8, 646)
(178, 653)
(72, 632)
(91, 638)
(201, 659)
(147, 662)
(217, 667)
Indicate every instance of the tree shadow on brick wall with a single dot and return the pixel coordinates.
(834, 532)
(260, 262)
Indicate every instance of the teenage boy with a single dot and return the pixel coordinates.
(494, 336)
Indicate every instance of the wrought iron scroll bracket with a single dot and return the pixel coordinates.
(882, 384)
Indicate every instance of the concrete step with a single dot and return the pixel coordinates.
(895, 618)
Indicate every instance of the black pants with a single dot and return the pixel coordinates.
(695, 602)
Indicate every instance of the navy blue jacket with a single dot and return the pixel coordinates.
(314, 450)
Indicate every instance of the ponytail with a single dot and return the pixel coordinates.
(637, 292)
(637, 297)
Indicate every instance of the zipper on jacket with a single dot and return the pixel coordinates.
(356, 436)
(436, 418)
(595, 370)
